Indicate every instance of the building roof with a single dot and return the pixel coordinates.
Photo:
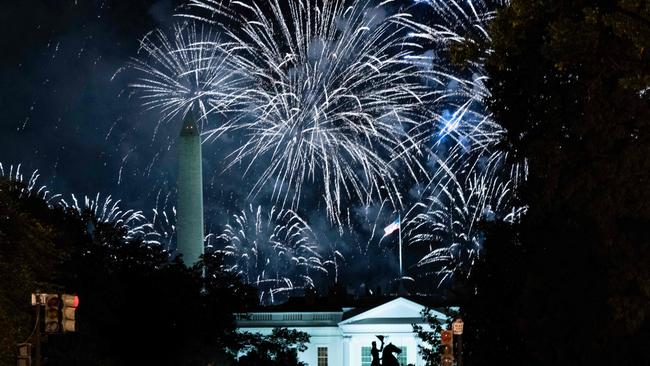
(346, 304)
(381, 310)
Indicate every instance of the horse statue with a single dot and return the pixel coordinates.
(387, 357)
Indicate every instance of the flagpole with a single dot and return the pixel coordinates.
(399, 228)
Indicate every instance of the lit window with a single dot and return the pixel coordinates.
(322, 356)
(401, 358)
(366, 358)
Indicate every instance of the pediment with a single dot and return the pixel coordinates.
(397, 310)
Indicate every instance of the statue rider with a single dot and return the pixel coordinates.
(374, 352)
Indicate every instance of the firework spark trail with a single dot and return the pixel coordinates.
(343, 99)
(29, 187)
(336, 257)
(463, 24)
(107, 211)
(467, 134)
(160, 230)
(276, 251)
(471, 179)
(334, 98)
(450, 216)
(187, 70)
(470, 128)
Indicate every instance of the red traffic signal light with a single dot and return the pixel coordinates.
(70, 304)
(447, 343)
(447, 337)
(52, 311)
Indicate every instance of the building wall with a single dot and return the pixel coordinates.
(329, 337)
(345, 339)
(340, 347)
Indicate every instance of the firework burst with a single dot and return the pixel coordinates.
(461, 42)
(107, 211)
(334, 101)
(28, 187)
(274, 250)
(450, 218)
(161, 228)
(350, 103)
(184, 71)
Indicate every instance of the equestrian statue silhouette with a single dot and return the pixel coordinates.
(387, 356)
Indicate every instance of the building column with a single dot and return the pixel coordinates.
(346, 351)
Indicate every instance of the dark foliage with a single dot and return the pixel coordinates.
(24, 241)
(491, 336)
(279, 349)
(430, 349)
(136, 306)
(570, 83)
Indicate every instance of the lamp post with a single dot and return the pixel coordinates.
(38, 300)
(457, 328)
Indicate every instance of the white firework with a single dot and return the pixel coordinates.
(343, 101)
(28, 187)
(107, 211)
(464, 118)
(161, 227)
(187, 70)
(335, 103)
(449, 222)
(472, 180)
(461, 24)
(274, 250)
(160, 230)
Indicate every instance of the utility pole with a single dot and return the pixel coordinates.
(59, 318)
(460, 350)
(37, 361)
(37, 328)
(458, 326)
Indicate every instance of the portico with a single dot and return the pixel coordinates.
(344, 336)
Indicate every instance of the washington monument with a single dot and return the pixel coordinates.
(189, 219)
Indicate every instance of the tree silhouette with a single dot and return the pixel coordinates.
(570, 83)
(136, 305)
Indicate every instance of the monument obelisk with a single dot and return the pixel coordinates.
(189, 216)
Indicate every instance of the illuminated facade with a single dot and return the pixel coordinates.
(343, 337)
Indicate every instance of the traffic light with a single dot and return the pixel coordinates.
(70, 304)
(446, 360)
(52, 313)
(447, 342)
(446, 348)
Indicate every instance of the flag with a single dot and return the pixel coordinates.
(395, 225)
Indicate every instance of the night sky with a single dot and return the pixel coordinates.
(68, 111)
(65, 112)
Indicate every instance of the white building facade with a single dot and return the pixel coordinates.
(344, 338)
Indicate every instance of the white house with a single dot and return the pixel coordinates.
(343, 337)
